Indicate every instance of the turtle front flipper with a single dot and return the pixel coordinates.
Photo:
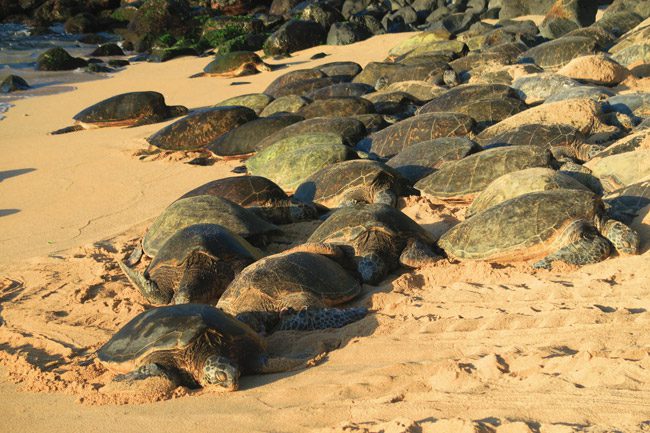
(149, 289)
(386, 196)
(417, 254)
(584, 246)
(199, 75)
(310, 319)
(219, 370)
(67, 129)
(135, 256)
(147, 371)
(282, 364)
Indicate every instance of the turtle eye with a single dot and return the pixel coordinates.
(626, 244)
(222, 377)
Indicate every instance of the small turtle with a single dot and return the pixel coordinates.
(392, 140)
(191, 344)
(305, 279)
(201, 209)
(195, 265)
(552, 55)
(355, 181)
(562, 224)
(260, 195)
(242, 141)
(200, 128)
(421, 159)
(474, 173)
(521, 182)
(290, 161)
(234, 64)
(127, 109)
(376, 238)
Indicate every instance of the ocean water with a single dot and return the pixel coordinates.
(19, 50)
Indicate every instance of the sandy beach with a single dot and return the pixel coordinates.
(470, 347)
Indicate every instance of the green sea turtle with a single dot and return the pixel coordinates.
(191, 344)
(521, 182)
(341, 90)
(624, 204)
(376, 239)
(260, 195)
(285, 104)
(337, 107)
(127, 109)
(202, 209)
(242, 141)
(562, 224)
(195, 265)
(234, 64)
(306, 279)
(620, 170)
(333, 69)
(275, 88)
(554, 54)
(355, 181)
(474, 173)
(255, 101)
(200, 128)
(350, 130)
(394, 72)
(563, 141)
(457, 98)
(421, 159)
(290, 161)
(392, 140)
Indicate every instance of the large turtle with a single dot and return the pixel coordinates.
(202, 209)
(200, 128)
(195, 265)
(234, 64)
(620, 170)
(552, 55)
(260, 195)
(290, 161)
(521, 182)
(472, 174)
(421, 159)
(127, 109)
(624, 204)
(192, 344)
(355, 181)
(341, 90)
(563, 141)
(392, 140)
(242, 141)
(255, 101)
(337, 107)
(458, 97)
(275, 88)
(306, 279)
(350, 130)
(564, 224)
(303, 87)
(376, 239)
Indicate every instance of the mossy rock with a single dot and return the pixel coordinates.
(58, 59)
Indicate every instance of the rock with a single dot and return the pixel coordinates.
(13, 83)
(56, 10)
(236, 7)
(595, 69)
(282, 7)
(373, 7)
(323, 14)
(332, 69)
(58, 59)
(420, 39)
(294, 35)
(159, 55)
(107, 50)
(157, 17)
(517, 8)
(619, 23)
(346, 33)
(117, 63)
(567, 15)
(81, 23)
(455, 23)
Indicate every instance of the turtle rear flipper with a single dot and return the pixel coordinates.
(311, 319)
(148, 289)
(200, 74)
(67, 129)
(585, 246)
(417, 254)
(135, 256)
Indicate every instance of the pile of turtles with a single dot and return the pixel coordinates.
(546, 174)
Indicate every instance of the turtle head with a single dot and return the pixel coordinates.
(218, 370)
(304, 211)
(624, 239)
(372, 268)
(177, 110)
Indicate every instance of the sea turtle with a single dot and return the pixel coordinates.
(274, 89)
(458, 97)
(341, 90)
(255, 101)
(203, 209)
(332, 69)
(127, 109)
(554, 54)
(563, 224)
(337, 107)
(350, 130)
(620, 170)
(242, 141)
(193, 266)
(472, 174)
(234, 64)
(306, 279)
(290, 161)
(394, 72)
(376, 239)
(624, 204)
(521, 182)
(538, 87)
(285, 104)
(355, 181)
(421, 159)
(191, 344)
(200, 128)
(563, 141)
(260, 195)
(392, 140)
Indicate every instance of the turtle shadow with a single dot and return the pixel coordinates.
(6, 212)
(6, 174)
(309, 344)
(42, 359)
